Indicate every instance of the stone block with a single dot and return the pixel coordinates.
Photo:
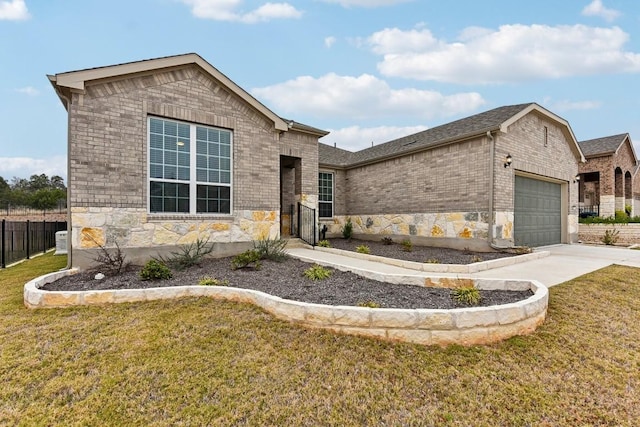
(393, 318)
(60, 299)
(416, 336)
(97, 297)
(434, 319)
(352, 316)
(475, 317)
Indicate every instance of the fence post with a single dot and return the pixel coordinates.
(3, 244)
(28, 239)
(44, 236)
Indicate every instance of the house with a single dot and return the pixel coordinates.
(166, 151)
(607, 178)
(502, 178)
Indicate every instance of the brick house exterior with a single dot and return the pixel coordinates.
(166, 151)
(608, 178)
(450, 185)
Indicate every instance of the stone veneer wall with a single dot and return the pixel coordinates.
(453, 229)
(628, 234)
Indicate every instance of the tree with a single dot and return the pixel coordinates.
(46, 198)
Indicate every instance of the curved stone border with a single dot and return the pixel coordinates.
(440, 268)
(466, 326)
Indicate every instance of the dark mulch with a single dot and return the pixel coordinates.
(418, 253)
(286, 280)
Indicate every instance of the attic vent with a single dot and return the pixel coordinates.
(409, 143)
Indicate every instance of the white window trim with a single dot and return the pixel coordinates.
(333, 195)
(193, 183)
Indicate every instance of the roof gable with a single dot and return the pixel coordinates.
(65, 83)
(607, 145)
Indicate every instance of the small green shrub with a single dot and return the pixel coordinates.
(212, 281)
(469, 295)
(317, 272)
(627, 210)
(476, 258)
(324, 244)
(432, 261)
(155, 270)
(370, 304)
(188, 255)
(363, 249)
(621, 216)
(272, 249)
(407, 245)
(610, 237)
(347, 229)
(387, 241)
(246, 259)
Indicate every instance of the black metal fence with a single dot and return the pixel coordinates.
(587, 211)
(307, 224)
(22, 239)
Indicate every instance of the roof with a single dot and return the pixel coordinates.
(65, 83)
(498, 119)
(603, 146)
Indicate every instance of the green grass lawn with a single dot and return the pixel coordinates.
(202, 362)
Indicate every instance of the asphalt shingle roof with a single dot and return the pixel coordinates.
(469, 126)
(602, 146)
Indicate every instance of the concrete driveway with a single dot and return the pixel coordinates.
(566, 262)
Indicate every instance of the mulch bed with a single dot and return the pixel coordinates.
(286, 279)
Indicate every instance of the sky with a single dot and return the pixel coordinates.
(368, 71)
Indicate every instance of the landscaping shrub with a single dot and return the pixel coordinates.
(347, 229)
(155, 270)
(432, 261)
(407, 245)
(317, 272)
(370, 304)
(246, 258)
(363, 249)
(272, 249)
(387, 241)
(610, 237)
(110, 263)
(469, 295)
(324, 244)
(188, 255)
(212, 281)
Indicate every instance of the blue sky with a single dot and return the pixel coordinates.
(366, 70)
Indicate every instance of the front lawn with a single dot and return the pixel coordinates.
(202, 362)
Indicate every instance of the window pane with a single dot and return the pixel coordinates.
(225, 151)
(201, 161)
(201, 175)
(156, 126)
(156, 140)
(155, 171)
(214, 135)
(201, 134)
(183, 131)
(170, 143)
(225, 164)
(170, 158)
(170, 172)
(225, 177)
(216, 199)
(201, 147)
(170, 128)
(214, 163)
(225, 137)
(214, 149)
(183, 159)
(183, 174)
(214, 176)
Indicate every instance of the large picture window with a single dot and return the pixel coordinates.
(189, 168)
(325, 195)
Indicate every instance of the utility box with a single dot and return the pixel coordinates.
(61, 243)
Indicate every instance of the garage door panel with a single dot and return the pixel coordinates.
(537, 216)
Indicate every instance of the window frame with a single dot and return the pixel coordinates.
(333, 194)
(192, 181)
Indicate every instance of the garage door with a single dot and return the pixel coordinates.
(538, 209)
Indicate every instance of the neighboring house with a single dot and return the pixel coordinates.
(166, 151)
(500, 178)
(607, 178)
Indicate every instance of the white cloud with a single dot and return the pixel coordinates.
(24, 167)
(513, 53)
(29, 90)
(14, 10)
(362, 97)
(596, 8)
(354, 138)
(227, 10)
(566, 105)
(329, 41)
(366, 3)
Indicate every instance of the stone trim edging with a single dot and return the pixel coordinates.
(440, 268)
(466, 326)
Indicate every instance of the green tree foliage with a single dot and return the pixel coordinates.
(37, 192)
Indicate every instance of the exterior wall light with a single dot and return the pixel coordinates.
(577, 178)
(508, 160)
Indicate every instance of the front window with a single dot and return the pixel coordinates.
(189, 168)
(325, 195)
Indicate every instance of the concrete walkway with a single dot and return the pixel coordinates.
(565, 262)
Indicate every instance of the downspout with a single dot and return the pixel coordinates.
(492, 152)
(69, 230)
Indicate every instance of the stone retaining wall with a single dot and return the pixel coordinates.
(466, 326)
(628, 234)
